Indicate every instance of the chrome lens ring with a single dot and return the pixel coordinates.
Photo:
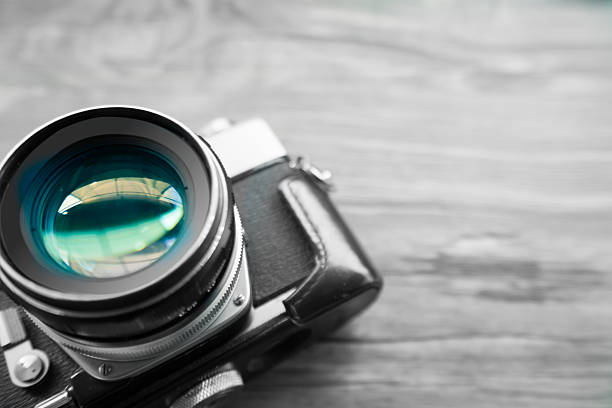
(174, 338)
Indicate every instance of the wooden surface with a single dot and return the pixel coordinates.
(471, 144)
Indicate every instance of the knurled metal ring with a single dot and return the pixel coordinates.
(150, 349)
(219, 383)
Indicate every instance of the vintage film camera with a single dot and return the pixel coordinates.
(159, 268)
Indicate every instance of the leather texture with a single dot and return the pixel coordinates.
(277, 248)
(341, 270)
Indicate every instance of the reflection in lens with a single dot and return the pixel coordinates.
(113, 226)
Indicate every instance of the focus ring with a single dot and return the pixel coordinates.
(174, 340)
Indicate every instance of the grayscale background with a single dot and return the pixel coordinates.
(471, 143)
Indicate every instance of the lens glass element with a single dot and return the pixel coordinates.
(110, 212)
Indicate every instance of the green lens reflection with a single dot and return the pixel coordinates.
(115, 226)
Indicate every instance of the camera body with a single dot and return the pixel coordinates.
(296, 273)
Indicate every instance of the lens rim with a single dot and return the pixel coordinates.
(204, 256)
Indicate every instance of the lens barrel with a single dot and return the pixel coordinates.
(115, 223)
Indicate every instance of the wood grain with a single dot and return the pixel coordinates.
(471, 143)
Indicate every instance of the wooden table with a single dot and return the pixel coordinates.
(471, 144)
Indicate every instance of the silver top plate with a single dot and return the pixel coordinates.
(243, 146)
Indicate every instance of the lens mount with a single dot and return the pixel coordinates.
(140, 300)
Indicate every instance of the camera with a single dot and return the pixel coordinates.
(144, 265)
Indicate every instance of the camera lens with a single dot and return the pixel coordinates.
(116, 223)
(109, 212)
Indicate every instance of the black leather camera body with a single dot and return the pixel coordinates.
(143, 265)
